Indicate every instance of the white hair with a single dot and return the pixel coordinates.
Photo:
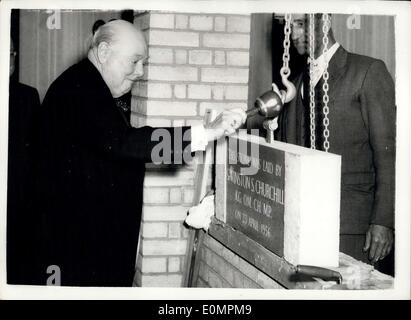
(105, 33)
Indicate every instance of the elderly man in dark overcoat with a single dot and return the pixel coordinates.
(91, 163)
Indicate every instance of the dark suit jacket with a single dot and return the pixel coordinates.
(362, 131)
(91, 166)
(24, 103)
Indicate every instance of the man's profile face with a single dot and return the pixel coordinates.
(299, 35)
(125, 64)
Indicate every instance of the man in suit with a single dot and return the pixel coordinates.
(362, 130)
(24, 103)
(91, 162)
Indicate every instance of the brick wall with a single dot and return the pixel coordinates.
(196, 61)
(167, 197)
(222, 268)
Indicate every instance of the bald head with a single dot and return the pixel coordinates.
(119, 32)
(118, 51)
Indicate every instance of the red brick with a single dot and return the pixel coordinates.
(160, 55)
(226, 40)
(202, 57)
(154, 265)
(224, 75)
(155, 229)
(159, 213)
(181, 21)
(168, 73)
(174, 229)
(174, 38)
(155, 195)
(173, 264)
(219, 23)
(162, 20)
(238, 24)
(167, 108)
(199, 91)
(171, 280)
(181, 56)
(201, 23)
(238, 58)
(164, 247)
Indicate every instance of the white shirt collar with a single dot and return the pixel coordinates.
(321, 62)
(330, 52)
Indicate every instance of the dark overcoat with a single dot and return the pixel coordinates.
(24, 104)
(91, 166)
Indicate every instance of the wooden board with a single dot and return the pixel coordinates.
(250, 250)
(195, 238)
(356, 274)
(305, 203)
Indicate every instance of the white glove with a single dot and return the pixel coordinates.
(226, 123)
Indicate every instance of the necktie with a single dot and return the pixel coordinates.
(319, 117)
(306, 120)
(123, 103)
(306, 109)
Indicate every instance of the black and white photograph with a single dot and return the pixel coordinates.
(199, 146)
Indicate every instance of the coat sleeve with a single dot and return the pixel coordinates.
(91, 121)
(157, 145)
(378, 105)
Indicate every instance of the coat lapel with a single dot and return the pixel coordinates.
(102, 92)
(290, 122)
(336, 69)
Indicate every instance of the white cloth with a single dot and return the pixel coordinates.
(199, 217)
(199, 139)
(320, 64)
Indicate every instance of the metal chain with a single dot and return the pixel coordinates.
(326, 109)
(312, 92)
(285, 70)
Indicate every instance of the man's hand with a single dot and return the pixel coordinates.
(226, 123)
(378, 241)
